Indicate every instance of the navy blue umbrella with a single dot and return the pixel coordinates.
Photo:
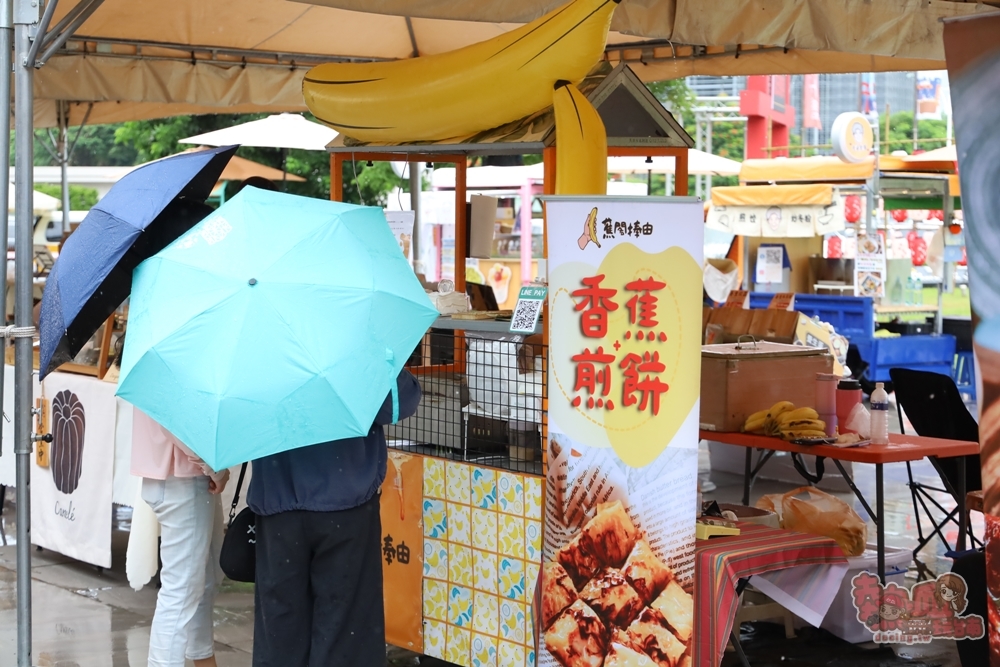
(142, 214)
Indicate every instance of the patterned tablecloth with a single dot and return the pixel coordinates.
(721, 562)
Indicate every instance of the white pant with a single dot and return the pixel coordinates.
(191, 527)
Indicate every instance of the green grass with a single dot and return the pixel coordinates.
(956, 304)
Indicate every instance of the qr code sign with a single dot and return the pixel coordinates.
(773, 255)
(526, 315)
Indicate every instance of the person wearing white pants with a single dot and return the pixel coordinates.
(184, 494)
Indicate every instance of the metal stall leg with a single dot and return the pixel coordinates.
(880, 525)
(26, 15)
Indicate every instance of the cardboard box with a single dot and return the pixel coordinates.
(735, 322)
(776, 326)
(738, 380)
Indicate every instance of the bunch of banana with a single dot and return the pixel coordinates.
(784, 420)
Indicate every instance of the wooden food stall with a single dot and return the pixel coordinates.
(462, 506)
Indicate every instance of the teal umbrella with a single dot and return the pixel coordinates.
(276, 322)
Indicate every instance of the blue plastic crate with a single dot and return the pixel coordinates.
(851, 316)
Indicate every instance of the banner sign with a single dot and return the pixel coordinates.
(71, 498)
(624, 387)
(402, 550)
(778, 221)
(930, 85)
(972, 50)
(811, 117)
(869, 266)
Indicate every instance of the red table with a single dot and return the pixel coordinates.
(901, 448)
(720, 564)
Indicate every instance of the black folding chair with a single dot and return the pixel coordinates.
(935, 408)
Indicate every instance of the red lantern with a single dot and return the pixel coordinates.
(955, 228)
(900, 215)
(935, 215)
(852, 208)
(965, 260)
(834, 248)
(911, 237)
(918, 251)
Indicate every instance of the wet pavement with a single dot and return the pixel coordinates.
(87, 617)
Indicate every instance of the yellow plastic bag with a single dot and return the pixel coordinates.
(809, 510)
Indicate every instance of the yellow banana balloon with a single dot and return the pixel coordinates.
(464, 91)
(581, 144)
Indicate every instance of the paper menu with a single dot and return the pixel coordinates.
(401, 224)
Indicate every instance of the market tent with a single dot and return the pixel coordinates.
(699, 163)
(41, 202)
(904, 182)
(134, 59)
(240, 169)
(286, 130)
(901, 29)
(776, 211)
(756, 195)
(829, 169)
(943, 154)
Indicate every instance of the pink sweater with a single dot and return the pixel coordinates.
(157, 454)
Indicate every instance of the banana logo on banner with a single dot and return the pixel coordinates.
(479, 87)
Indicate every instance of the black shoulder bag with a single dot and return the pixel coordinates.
(239, 547)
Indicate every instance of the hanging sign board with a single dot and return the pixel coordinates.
(852, 137)
(401, 224)
(624, 387)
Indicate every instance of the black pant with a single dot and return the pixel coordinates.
(318, 597)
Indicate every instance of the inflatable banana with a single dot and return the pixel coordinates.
(465, 91)
(581, 144)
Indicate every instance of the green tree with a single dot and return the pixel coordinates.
(80, 198)
(675, 95)
(153, 139)
(931, 134)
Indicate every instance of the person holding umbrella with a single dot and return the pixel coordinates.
(275, 323)
(183, 492)
(318, 595)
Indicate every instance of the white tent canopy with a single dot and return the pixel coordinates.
(286, 130)
(41, 202)
(700, 163)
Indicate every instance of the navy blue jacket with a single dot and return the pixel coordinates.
(331, 476)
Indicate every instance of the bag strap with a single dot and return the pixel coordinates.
(236, 497)
(800, 467)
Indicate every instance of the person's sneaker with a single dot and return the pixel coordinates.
(707, 485)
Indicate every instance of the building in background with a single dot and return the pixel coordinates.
(838, 93)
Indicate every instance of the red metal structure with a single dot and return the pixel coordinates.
(770, 115)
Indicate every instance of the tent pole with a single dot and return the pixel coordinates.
(416, 184)
(6, 46)
(63, 150)
(26, 15)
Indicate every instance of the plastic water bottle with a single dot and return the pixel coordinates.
(880, 416)
(918, 291)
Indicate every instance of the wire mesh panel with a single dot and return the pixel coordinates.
(482, 399)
